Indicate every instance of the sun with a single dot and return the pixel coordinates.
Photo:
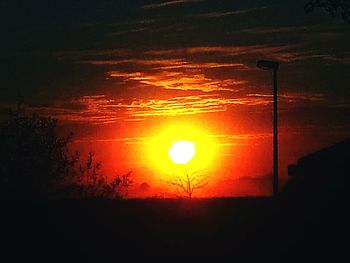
(181, 152)
(175, 146)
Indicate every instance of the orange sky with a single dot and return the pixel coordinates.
(121, 73)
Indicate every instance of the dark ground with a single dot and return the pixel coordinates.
(282, 229)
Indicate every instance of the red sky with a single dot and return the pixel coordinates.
(119, 74)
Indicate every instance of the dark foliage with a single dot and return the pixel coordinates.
(86, 182)
(35, 164)
(331, 6)
(33, 158)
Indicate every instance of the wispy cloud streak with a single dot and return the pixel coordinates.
(228, 13)
(284, 53)
(179, 80)
(101, 109)
(169, 3)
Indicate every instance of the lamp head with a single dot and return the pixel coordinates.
(267, 64)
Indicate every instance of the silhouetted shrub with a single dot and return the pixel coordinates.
(35, 164)
(33, 158)
(86, 182)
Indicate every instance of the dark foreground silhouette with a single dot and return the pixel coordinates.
(307, 222)
(259, 229)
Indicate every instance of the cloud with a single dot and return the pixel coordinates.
(275, 29)
(197, 57)
(345, 59)
(170, 3)
(283, 53)
(166, 64)
(93, 54)
(201, 76)
(189, 105)
(128, 32)
(199, 68)
(96, 109)
(101, 109)
(178, 106)
(292, 97)
(172, 73)
(228, 13)
(228, 140)
(179, 80)
(105, 62)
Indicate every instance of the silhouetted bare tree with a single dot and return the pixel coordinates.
(188, 183)
(331, 6)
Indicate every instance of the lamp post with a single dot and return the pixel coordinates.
(272, 65)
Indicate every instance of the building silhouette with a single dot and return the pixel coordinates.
(326, 171)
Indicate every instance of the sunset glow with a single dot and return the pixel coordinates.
(174, 129)
(179, 145)
(159, 87)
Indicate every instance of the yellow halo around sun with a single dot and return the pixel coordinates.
(177, 145)
(181, 152)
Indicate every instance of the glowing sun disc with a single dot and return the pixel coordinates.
(181, 152)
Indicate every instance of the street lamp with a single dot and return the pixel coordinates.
(272, 65)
